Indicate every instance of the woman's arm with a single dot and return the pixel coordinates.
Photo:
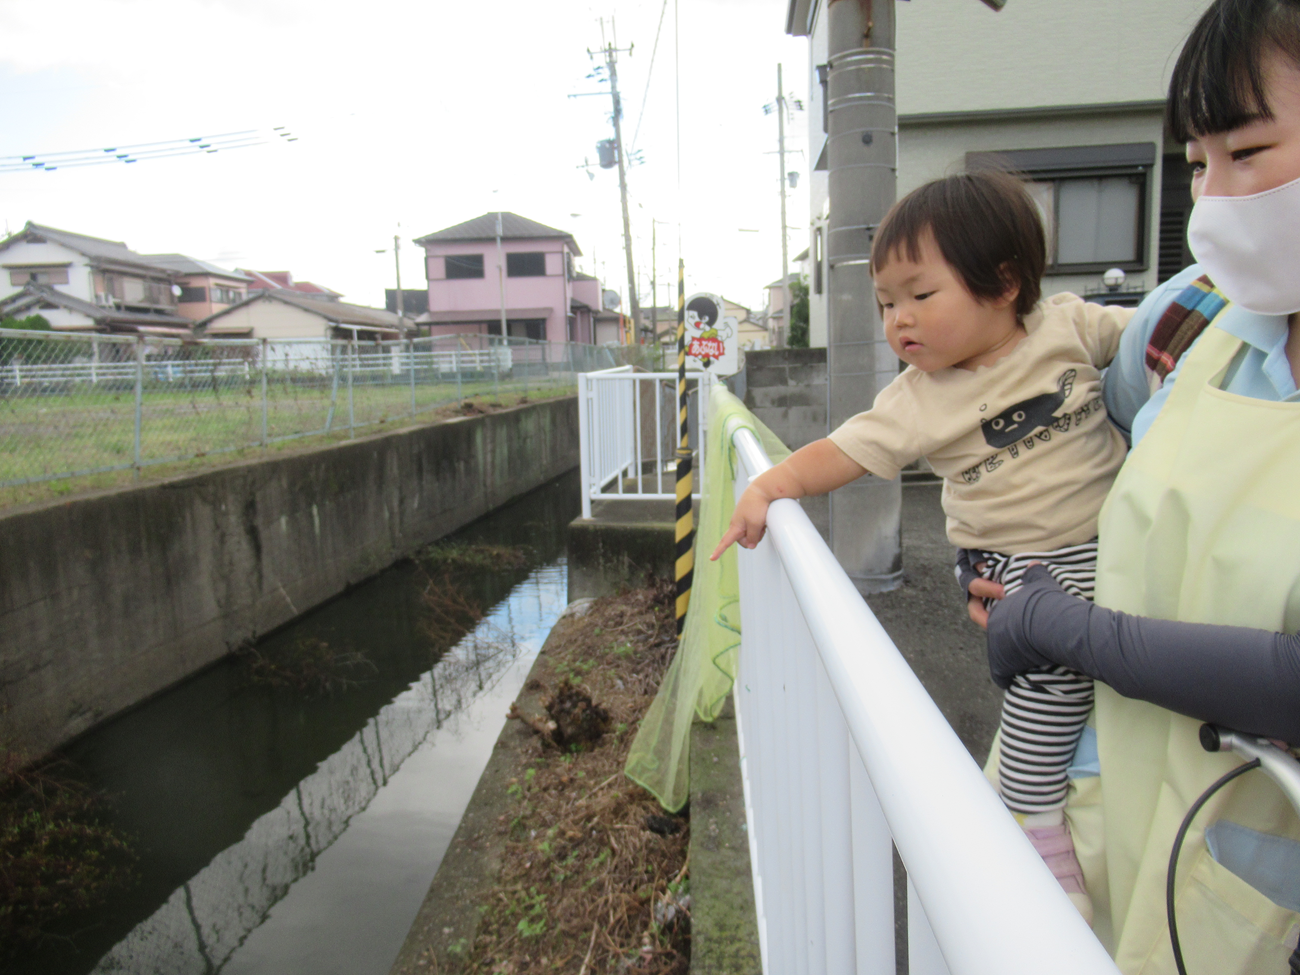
(1244, 679)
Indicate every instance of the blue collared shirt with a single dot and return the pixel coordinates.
(1260, 370)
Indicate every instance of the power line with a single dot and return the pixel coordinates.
(649, 74)
(135, 152)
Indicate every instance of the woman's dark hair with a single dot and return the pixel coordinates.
(987, 229)
(1218, 81)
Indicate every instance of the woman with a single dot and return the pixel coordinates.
(1199, 566)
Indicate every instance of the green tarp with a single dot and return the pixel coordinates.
(702, 671)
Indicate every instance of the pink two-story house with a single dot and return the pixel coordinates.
(472, 264)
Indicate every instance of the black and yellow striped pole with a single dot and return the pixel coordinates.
(685, 516)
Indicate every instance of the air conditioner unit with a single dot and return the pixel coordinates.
(103, 300)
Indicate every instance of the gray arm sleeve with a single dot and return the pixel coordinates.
(1244, 679)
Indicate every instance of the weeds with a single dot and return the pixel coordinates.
(309, 665)
(466, 555)
(58, 853)
(613, 890)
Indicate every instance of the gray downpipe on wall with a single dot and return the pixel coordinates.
(862, 158)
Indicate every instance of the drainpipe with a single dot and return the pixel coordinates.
(863, 157)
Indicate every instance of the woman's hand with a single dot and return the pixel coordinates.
(978, 591)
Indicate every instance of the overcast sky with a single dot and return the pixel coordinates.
(419, 114)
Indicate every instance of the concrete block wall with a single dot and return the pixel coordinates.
(786, 389)
(108, 599)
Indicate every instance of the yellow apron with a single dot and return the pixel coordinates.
(1202, 525)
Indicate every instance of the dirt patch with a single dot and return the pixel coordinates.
(593, 876)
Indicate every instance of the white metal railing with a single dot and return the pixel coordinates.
(842, 751)
(628, 432)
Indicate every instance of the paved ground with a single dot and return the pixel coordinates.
(927, 619)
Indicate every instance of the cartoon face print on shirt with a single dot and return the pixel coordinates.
(1020, 420)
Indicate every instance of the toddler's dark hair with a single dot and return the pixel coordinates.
(986, 226)
(1218, 82)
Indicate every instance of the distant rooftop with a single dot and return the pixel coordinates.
(283, 281)
(513, 227)
(192, 265)
(96, 248)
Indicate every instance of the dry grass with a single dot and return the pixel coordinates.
(594, 876)
(309, 665)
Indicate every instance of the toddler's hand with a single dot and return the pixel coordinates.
(980, 590)
(748, 523)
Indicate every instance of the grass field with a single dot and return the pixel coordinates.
(55, 445)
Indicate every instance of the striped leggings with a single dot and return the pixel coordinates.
(1044, 711)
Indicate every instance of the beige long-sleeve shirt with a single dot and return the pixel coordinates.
(1023, 446)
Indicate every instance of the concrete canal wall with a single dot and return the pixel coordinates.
(108, 599)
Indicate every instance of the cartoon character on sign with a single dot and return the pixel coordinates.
(702, 316)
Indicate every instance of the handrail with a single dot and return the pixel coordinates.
(819, 855)
(628, 443)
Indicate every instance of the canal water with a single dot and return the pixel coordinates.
(280, 832)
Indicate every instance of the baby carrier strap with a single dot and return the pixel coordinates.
(1185, 319)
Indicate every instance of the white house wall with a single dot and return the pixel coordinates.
(25, 252)
(273, 320)
(961, 56)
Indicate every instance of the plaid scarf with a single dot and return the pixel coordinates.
(1185, 318)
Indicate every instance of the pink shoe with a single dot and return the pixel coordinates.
(1055, 845)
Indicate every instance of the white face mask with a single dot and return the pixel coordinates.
(1250, 246)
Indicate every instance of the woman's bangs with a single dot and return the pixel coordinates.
(1215, 89)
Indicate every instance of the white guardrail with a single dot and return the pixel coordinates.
(628, 433)
(842, 751)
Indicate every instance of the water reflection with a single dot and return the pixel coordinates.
(208, 918)
(315, 823)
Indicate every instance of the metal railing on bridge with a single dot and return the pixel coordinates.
(842, 752)
(76, 403)
(628, 431)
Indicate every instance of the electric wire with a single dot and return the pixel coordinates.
(135, 152)
(1177, 848)
(649, 74)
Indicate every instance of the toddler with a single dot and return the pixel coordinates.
(1002, 395)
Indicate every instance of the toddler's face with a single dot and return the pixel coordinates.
(932, 321)
(1260, 155)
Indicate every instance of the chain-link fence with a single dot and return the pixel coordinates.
(84, 404)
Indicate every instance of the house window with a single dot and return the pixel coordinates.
(225, 296)
(193, 294)
(464, 265)
(1094, 201)
(526, 265)
(531, 328)
(39, 275)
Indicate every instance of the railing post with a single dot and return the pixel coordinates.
(352, 416)
(411, 341)
(455, 361)
(264, 403)
(139, 399)
(584, 442)
(94, 359)
(496, 369)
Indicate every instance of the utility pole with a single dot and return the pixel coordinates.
(654, 282)
(401, 306)
(611, 63)
(785, 243)
(862, 141)
(501, 277)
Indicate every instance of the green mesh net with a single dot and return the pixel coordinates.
(701, 674)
